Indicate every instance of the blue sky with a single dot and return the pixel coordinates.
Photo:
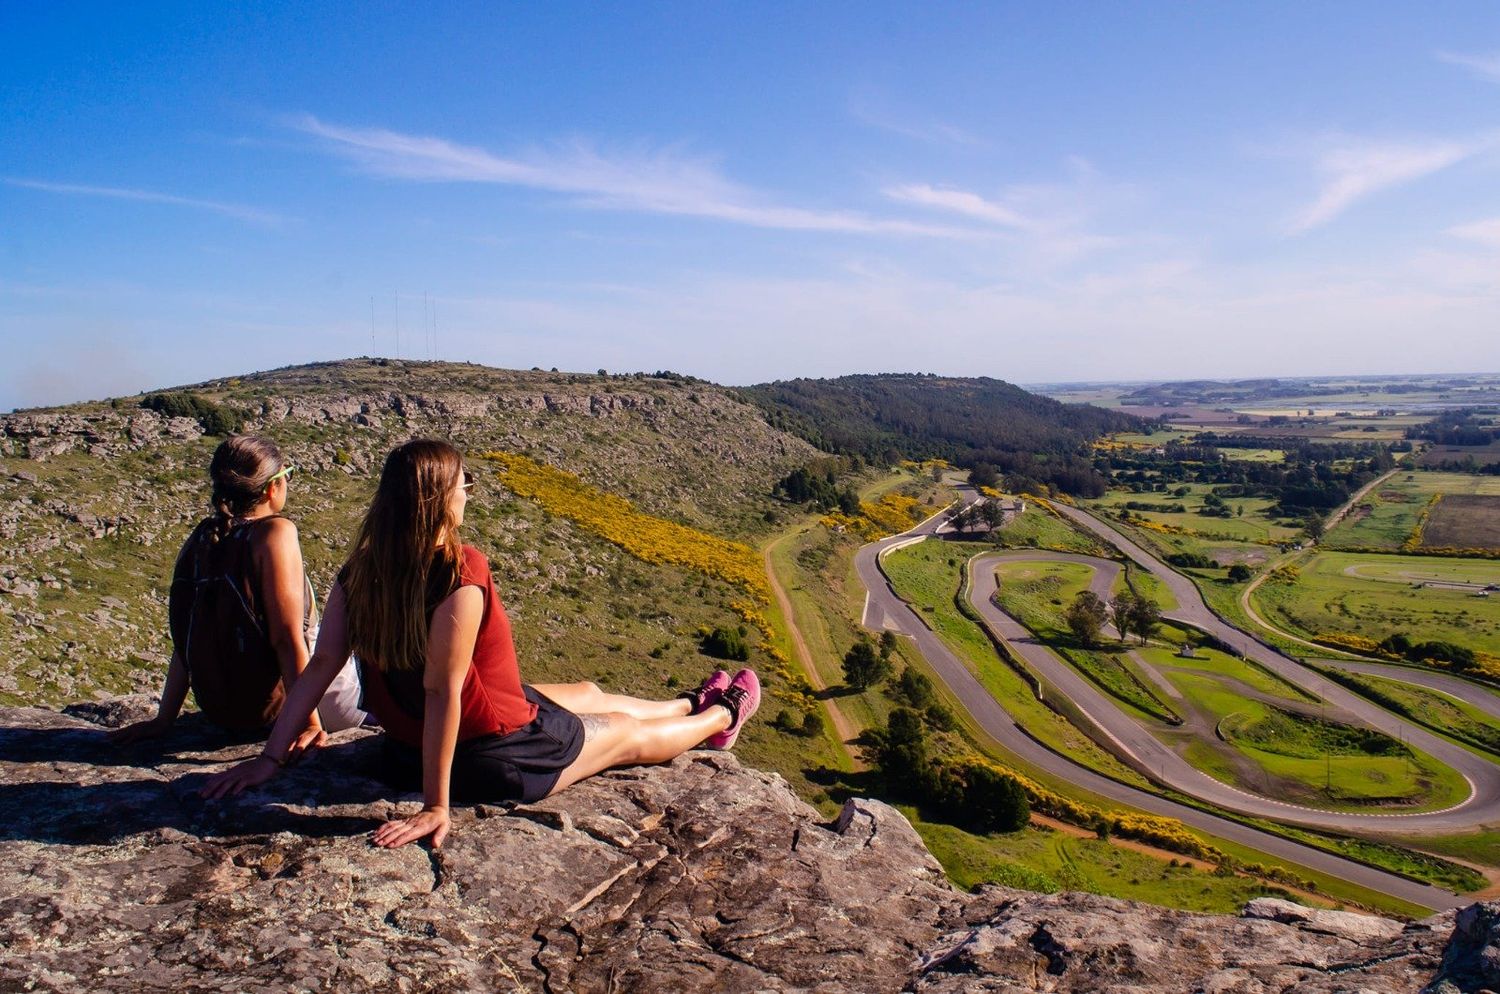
(1037, 192)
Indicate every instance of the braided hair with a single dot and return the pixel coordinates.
(241, 470)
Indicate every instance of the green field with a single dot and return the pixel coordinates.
(1147, 584)
(1375, 596)
(1300, 759)
(1249, 523)
(1040, 528)
(1438, 711)
(1222, 666)
(1386, 517)
(1046, 860)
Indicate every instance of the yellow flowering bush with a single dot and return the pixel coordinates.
(1414, 540)
(616, 520)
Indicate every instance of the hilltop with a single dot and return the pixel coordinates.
(95, 499)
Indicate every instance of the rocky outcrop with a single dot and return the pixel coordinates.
(697, 875)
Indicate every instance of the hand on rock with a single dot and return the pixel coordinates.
(431, 820)
(250, 773)
(138, 732)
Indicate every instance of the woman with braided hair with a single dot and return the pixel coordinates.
(241, 610)
(419, 609)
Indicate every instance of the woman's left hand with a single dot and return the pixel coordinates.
(431, 820)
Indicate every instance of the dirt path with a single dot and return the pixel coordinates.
(846, 729)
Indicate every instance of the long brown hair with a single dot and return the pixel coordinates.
(406, 556)
(241, 470)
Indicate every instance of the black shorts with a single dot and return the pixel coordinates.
(521, 766)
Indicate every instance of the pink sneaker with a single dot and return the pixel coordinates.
(740, 700)
(708, 692)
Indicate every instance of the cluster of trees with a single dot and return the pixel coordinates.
(1457, 656)
(817, 486)
(1131, 614)
(1464, 427)
(972, 516)
(726, 643)
(969, 792)
(214, 419)
(1028, 439)
(1311, 479)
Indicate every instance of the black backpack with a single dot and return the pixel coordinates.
(219, 629)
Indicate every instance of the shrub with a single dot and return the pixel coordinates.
(725, 643)
(213, 419)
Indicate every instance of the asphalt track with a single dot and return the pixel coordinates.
(885, 610)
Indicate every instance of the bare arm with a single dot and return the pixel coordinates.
(284, 589)
(450, 653)
(327, 660)
(172, 697)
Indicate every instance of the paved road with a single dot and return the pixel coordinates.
(885, 610)
(1446, 683)
(1482, 806)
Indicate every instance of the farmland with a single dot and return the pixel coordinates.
(1379, 595)
(1386, 518)
(1464, 521)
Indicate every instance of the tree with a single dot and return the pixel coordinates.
(1145, 618)
(1313, 526)
(1086, 616)
(863, 666)
(993, 801)
(913, 688)
(1122, 608)
(984, 475)
(1239, 573)
(725, 643)
(887, 643)
(901, 751)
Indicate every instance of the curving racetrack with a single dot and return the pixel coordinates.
(884, 609)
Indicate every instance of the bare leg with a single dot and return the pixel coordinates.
(587, 698)
(622, 740)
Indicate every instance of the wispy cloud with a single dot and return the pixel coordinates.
(961, 202)
(1484, 66)
(662, 181)
(237, 211)
(862, 107)
(1486, 232)
(1355, 170)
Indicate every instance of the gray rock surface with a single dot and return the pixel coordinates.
(696, 875)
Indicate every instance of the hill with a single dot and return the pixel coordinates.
(96, 498)
(892, 416)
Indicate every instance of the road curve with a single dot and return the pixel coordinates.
(1484, 777)
(885, 610)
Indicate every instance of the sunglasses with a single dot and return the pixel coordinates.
(468, 480)
(286, 471)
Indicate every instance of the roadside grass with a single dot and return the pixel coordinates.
(1041, 528)
(1388, 515)
(927, 576)
(1146, 584)
(1481, 847)
(1376, 596)
(1438, 711)
(1432, 869)
(1040, 858)
(1219, 665)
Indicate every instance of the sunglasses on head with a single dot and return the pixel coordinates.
(468, 480)
(285, 471)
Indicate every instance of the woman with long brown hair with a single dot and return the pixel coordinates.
(241, 611)
(419, 610)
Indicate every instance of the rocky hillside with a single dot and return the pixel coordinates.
(698, 875)
(96, 498)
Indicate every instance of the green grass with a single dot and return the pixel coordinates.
(1253, 525)
(1215, 664)
(1441, 713)
(1375, 596)
(1036, 594)
(1146, 584)
(1039, 528)
(1043, 859)
(1395, 505)
(1481, 847)
(927, 576)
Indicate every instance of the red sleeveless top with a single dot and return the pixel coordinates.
(491, 702)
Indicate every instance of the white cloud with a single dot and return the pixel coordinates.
(1486, 232)
(1484, 66)
(961, 202)
(238, 211)
(1353, 171)
(659, 182)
